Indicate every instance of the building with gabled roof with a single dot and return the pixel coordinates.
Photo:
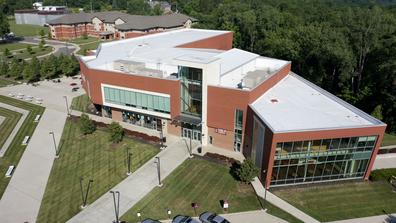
(115, 25)
(191, 83)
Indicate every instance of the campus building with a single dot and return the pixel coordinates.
(115, 25)
(193, 84)
(40, 15)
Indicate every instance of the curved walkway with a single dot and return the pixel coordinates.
(8, 142)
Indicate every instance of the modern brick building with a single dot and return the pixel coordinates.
(193, 84)
(115, 25)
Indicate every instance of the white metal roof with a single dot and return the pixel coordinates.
(294, 104)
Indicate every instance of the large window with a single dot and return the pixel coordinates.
(137, 100)
(320, 160)
(238, 126)
(191, 90)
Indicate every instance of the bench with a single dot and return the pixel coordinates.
(10, 171)
(37, 118)
(25, 140)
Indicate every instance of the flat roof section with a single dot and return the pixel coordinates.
(295, 104)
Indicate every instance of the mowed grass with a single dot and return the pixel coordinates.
(389, 139)
(26, 30)
(8, 124)
(13, 46)
(81, 103)
(91, 157)
(342, 201)
(89, 46)
(81, 40)
(24, 54)
(15, 150)
(200, 181)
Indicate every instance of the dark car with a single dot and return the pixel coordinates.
(209, 217)
(75, 89)
(73, 84)
(149, 220)
(184, 219)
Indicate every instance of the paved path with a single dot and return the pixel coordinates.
(1, 119)
(275, 200)
(384, 161)
(16, 128)
(390, 218)
(22, 198)
(259, 216)
(136, 186)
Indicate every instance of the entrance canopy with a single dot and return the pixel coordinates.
(186, 119)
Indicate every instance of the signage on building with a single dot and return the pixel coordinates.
(221, 131)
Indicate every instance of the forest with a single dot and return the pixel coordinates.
(347, 47)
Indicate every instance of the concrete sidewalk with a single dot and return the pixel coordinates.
(275, 200)
(259, 216)
(136, 186)
(391, 218)
(22, 199)
(16, 128)
(384, 161)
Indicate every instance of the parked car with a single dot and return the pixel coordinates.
(73, 84)
(184, 219)
(149, 220)
(75, 89)
(209, 217)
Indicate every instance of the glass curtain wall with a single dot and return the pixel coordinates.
(320, 160)
(137, 100)
(238, 126)
(191, 90)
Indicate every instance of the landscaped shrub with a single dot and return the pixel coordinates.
(87, 126)
(382, 174)
(116, 132)
(247, 171)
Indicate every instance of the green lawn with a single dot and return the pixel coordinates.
(389, 139)
(15, 151)
(6, 82)
(342, 201)
(89, 46)
(90, 157)
(82, 40)
(8, 124)
(36, 52)
(13, 46)
(26, 30)
(81, 103)
(201, 181)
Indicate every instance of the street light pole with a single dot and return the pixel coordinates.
(158, 162)
(56, 149)
(116, 204)
(84, 197)
(265, 185)
(67, 106)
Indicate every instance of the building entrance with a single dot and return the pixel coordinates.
(190, 133)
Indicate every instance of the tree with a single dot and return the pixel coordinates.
(377, 113)
(49, 68)
(87, 126)
(138, 7)
(29, 49)
(42, 43)
(16, 69)
(7, 53)
(42, 33)
(116, 132)
(85, 35)
(4, 69)
(157, 9)
(247, 171)
(31, 72)
(4, 25)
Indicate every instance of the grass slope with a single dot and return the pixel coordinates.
(14, 46)
(342, 201)
(15, 151)
(5, 82)
(26, 30)
(9, 123)
(91, 157)
(81, 103)
(201, 181)
(89, 46)
(389, 139)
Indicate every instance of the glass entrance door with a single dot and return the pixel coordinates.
(186, 133)
(193, 134)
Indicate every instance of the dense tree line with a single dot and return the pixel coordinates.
(346, 47)
(35, 69)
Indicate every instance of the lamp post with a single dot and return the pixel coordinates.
(158, 162)
(139, 215)
(116, 204)
(67, 106)
(161, 136)
(84, 197)
(129, 159)
(56, 149)
(169, 212)
(265, 185)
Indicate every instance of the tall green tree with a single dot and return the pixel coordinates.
(138, 7)
(4, 69)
